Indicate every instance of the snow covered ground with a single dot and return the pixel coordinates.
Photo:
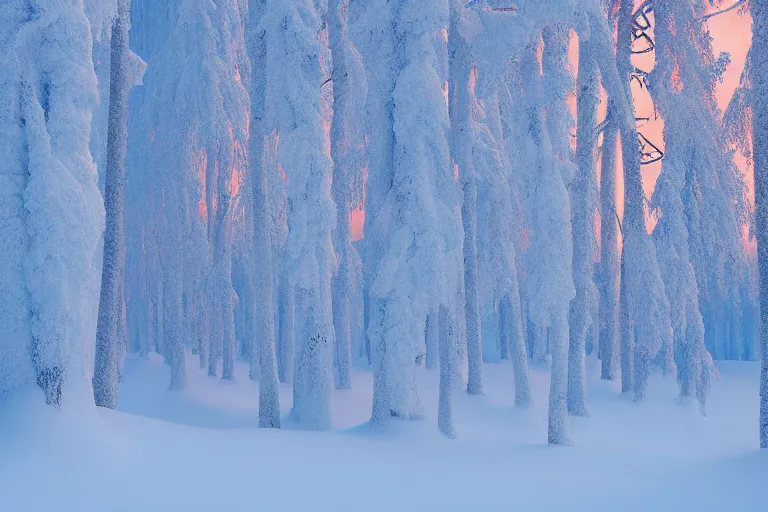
(200, 450)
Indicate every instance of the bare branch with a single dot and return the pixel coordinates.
(722, 11)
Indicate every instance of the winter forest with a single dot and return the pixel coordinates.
(390, 254)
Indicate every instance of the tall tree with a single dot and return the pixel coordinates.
(263, 353)
(348, 154)
(376, 43)
(49, 197)
(551, 252)
(583, 191)
(460, 101)
(227, 156)
(497, 239)
(714, 189)
(759, 59)
(448, 354)
(295, 70)
(609, 253)
(416, 273)
(112, 301)
(198, 118)
(675, 92)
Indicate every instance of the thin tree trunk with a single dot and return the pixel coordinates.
(105, 377)
(203, 331)
(342, 144)
(460, 105)
(513, 326)
(627, 349)
(222, 287)
(609, 256)
(432, 342)
(287, 331)
(263, 349)
(759, 63)
(583, 307)
(172, 323)
(504, 335)
(214, 337)
(558, 407)
(448, 354)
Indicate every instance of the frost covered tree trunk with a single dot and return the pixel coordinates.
(347, 143)
(221, 276)
(341, 314)
(122, 332)
(513, 327)
(312, 377)
(557, 426)
(214, 340)
(609, 255)
(47, 96)
(448, 355)
(583, 312)
(432, 342)
(173, 319)
(203, 331)
(111, 302)
(759, 55)
(263, 357)
(627, 335)
(286, 309)
(460, 67)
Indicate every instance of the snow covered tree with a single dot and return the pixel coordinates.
(112, 300)
(460, 102)
(295, 71)
(225, 60)
(497, 239)
(550, 281)
(373, 36)
(644, 300)
(51, 214)
(583, 192)
(609, 254)
(759, 58)
(737, 128)
(448, 351)
(416, 274)
(286, 314)
(263, 353)
(715, 199)
(347, 152)
(675, 88)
